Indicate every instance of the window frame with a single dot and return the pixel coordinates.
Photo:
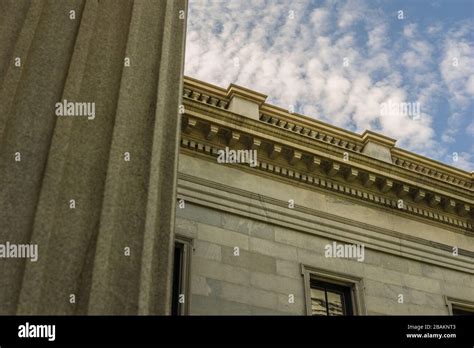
(185, 274)
(458, 303)
(330, 287)
(355, 285)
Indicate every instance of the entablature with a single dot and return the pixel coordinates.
(334, 160)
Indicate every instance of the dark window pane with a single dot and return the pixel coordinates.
(462, 311)
(177, 276)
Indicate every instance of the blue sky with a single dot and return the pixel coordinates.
(342, 61)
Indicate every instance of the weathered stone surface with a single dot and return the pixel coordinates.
(204, 305)
(186, 228)
(200, 214)
(289, 269)
(249, 260)
(217, 270)
(296, 308)
(223, 237)
(119, 203)
(269, 248)
(279, 284)
(261, 285)
(207, 250)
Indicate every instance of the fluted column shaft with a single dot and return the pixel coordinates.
(97, 195)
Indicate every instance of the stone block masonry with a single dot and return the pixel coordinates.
(266, 273)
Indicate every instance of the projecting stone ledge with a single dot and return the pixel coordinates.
(378, 146)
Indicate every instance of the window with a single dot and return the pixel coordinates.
(462, 311)
(330, 299)
(332, 294)
(459, 307)
(181, 271)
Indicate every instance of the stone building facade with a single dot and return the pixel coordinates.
(250, 235)
(254, 239)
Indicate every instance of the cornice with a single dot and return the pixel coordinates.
(428, 167)
(235, 90)
(219, 98)
(378, 138)
(207, 131)
(205, 95)
(226, 122)
(204, 87)
(324, 134)
(321, 180)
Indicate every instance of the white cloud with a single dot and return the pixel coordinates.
(465, 161)
(457, 72)
(320, 19)
(409, 30)
(434, 29)
(377, 37)
(299, 61)
(457, 66)
(470, 129)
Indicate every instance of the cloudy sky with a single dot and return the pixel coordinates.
(343, 62)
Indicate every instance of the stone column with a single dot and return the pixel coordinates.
(96, 193)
